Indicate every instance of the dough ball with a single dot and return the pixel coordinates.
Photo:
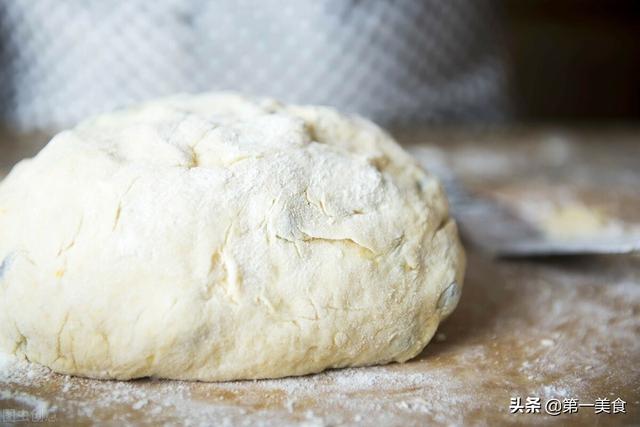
(215, 237)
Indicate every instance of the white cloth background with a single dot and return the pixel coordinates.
(393, 61)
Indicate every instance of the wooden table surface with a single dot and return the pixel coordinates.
(553, 328)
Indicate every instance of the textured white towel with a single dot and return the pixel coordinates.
(405, 60)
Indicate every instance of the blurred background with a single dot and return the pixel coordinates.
(573, 60)
(403, 63)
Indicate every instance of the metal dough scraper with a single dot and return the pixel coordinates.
(533, 227)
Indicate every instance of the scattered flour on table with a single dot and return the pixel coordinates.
(347, 389)
(14, 371)
(33, 403)
(438, 391)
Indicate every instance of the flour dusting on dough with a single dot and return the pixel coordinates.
(215, 237)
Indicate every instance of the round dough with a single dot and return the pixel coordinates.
(215, 237)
